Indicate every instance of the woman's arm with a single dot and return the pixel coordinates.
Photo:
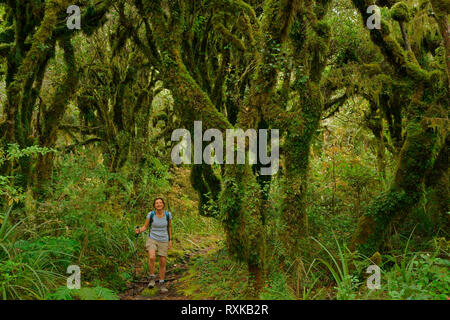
(170, 229)
(144, 227)
(170, 234)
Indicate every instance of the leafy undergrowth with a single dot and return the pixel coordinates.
(87, 293)
(215, 275)
(420, 277)
(404, 276)
(413, 276)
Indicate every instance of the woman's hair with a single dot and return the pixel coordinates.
(154, 201)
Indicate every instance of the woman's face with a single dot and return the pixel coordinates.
(159, 204)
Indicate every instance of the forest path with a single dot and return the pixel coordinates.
(136, 289)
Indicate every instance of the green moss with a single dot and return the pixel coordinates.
(363, 231)
(441, 7)
(214, 275)
(322, 28)
(176, 254)
(416, 72)
(230, 37)
(385, 28)
(372, 68)
(437, 78)
(423, 4)
(400, 12)
(150, 292)
(278, 17)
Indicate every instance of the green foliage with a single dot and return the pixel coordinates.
(14, 152)
(59, 250)
(276, 288)
(198, 23)
(10, 189)
(95, 293)
(83, 220)
(340, 269)
(412, 276)
(30, 269)
(422, 277)
(153, 180)
(210, 207)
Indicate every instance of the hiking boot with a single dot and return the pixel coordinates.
(151, 284)
(163, 288)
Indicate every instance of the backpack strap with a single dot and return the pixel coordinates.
(152, 214)
(167, 218)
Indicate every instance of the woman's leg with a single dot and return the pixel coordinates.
(151, 261)
(162, 267)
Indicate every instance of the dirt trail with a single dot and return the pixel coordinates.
(172, 275)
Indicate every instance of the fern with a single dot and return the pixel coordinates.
(62, 293)
(95, 293)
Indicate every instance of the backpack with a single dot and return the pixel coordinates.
(152, 214)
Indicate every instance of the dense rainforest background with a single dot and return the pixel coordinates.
(85, 146)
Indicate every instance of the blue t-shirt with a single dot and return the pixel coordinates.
(158, 230)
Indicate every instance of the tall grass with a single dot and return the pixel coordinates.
(339, 267)
(26, 274)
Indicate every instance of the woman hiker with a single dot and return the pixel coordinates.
(159, 240)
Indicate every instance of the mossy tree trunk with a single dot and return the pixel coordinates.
(437, 189)
(26, 67)
(310, 51)
(50, 118)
